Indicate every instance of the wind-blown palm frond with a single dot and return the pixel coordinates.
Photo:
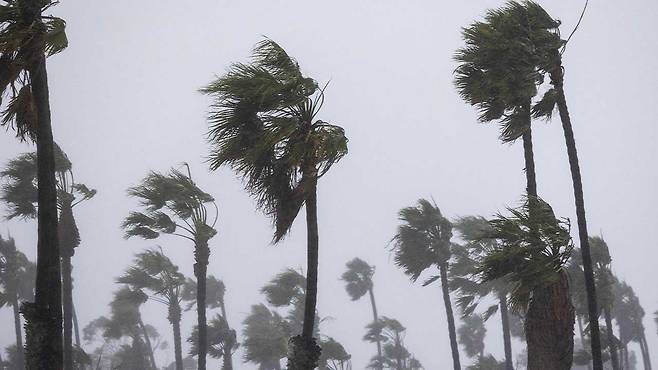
(265, 337)
(215, 291)
(263, 125)
(220, 338)
(358, 278)
(334, 356)
(285, 289)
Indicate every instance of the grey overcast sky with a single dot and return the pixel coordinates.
(124, 101)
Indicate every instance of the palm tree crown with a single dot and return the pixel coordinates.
(358, 278)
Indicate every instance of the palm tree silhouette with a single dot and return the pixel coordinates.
(263, 125)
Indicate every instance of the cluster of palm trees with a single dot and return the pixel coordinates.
(264, 125)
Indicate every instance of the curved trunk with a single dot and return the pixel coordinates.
(614, 357)
(376, 319)
(228, 348)
(646, 356)
(174, 319)
(67, 303)
(507, 337)
(142, 327)
(201, 254)
(452, 333)
(20, 359)
(44, 317)
(76, 326)
(549, 327)
(557, 79)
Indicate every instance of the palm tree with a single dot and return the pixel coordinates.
(155, 273)
(464, 277)
(532, 251)
(263, 125)
(334, 356)
(358, 282)
(173, 204)
(221, 336)
(629, 315)
(27, 36)
(422, 241)
(395, 355)
(20, 194)
(265, 338)
(471, 335)
(17, 276)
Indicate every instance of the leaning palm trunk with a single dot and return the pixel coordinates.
(549, 327)
(452, 333)
(557, 79)
(582, 338)
(507, 337)
(20, 359)
(612, 344)
(201, 256)
(304, 351)
(44, 317)
(174, 319)
(142, 327)
(67, 303)
(376, 319)
(76, 327)
(646, 356)
(227, 354)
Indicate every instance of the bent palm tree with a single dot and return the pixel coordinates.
(154, 272)
(17, 276)
(20, 194)
(395, 355)
(532, 251)
(222, 341)
(358, 282)
(27, 36)
(471, 335)
(173, 204)
(265, 336)
(422, 241)
(263, 125)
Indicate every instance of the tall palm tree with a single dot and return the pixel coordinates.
(358, 282)
(27, 36)
(423, 241)
(532, 251)
(263, 125)
(173, 204)
(156, 274)
(20, 194)
(17, 276)
(464, 270)
(222, 338)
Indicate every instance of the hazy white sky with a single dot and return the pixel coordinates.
(124, 102)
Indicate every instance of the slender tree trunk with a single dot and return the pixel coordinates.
(375, 317)
(507, 337)
(20, 358)
(582, 338)
(174, 319)
(228, 348)
(145, 333)
(531, 177)
(44, 317)
(646, 355)
(76, 326)
(549, 327)
(202, 254)
(612, 345)
(557, 79)
(452, 333)
(67, 302)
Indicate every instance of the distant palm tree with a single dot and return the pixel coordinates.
(395, 355)
(358, 282)
(334, 356)
(265, 338)
(629, 315)
(155, 273)
(20, 194)
(17, 276)
(174, 205)
(423, 241)
(263, 125)
(221, 336)
(471, 335)
(532, 251)
(27, 36)
(464, 270)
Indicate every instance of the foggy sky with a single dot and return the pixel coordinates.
(124, 101)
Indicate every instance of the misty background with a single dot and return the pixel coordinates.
(124, 101)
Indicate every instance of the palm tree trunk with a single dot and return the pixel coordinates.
(557, 79)
(76, 326)
(142, 327)
(174, 319)
(228, 348)
(376, 319)
(202, 254)
(44, 317)
(646, 355)
(614, 357)
(531, 177)
(20, 359)
(582, 339)
(452, 333)
(507, 337)
(67, 302)
(549, 327)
